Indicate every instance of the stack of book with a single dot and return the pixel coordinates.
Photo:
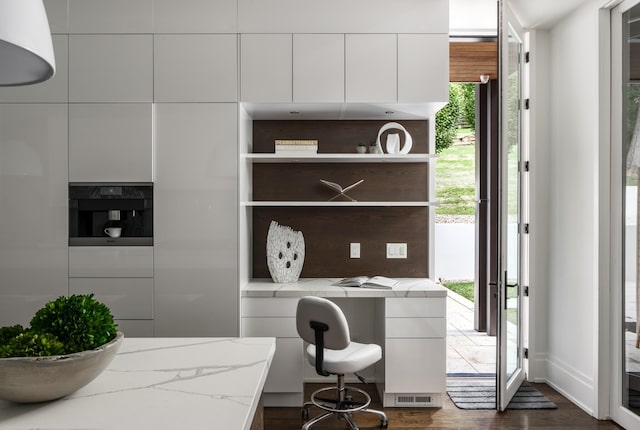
(296, 147)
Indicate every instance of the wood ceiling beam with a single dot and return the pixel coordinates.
(469, 60)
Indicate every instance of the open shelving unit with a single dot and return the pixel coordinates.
(395, 202)
(336, 204)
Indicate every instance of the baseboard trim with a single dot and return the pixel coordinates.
(571, 383)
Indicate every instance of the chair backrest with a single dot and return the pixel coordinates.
(319, 310)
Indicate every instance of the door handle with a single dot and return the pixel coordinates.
(507, 285)
(506, 296)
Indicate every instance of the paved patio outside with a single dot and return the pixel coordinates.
(468, 352)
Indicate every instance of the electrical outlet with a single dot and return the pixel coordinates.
(354, 250)
(396, 250)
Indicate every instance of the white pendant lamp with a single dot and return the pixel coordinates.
(26, 52)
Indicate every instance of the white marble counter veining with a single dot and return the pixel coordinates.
(322, 287)
(161, 383)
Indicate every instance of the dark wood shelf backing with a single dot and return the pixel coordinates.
(328, 232)
(301, 181)
(335, 136)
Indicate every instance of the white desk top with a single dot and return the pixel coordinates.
(161, 383)
(321, 287)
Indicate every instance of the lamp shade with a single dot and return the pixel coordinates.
(26, 52)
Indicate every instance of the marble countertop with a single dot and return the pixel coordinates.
(322, 287)
(161, 383)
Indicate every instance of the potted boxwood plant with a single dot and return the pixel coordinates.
(70, 341)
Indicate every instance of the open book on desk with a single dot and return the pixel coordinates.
(367, 282)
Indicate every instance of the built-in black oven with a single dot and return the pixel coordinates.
(110, 214)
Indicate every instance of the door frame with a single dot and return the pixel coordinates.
(615, 265)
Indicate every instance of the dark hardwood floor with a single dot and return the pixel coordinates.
(567, 416)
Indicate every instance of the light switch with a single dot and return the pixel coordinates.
(396, 250)
(354, 250)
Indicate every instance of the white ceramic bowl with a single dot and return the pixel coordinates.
(38, 379)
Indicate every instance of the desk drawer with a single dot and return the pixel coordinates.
(416, 307)
(415, 327)
(253, 307)
(269, 327)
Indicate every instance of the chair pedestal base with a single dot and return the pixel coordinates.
(342, 405)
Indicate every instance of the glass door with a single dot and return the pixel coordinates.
(625, 212)
(510, 372)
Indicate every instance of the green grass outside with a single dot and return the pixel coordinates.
(465, 289)
(465, 131)
(455, 181)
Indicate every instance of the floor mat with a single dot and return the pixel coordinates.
(482, 395)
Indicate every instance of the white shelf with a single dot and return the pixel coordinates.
(338, 158)
(336, 204)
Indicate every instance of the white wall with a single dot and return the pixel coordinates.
(539, 188)
(455, 257)
(573, 207)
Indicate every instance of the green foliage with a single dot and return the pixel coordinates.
(9, 332)
(79, 321)
(468, 104)
(447, 120)
(31, 344)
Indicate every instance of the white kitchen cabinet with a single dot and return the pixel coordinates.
(371, 68)
(127, 298)
(318, 68)
(415, 350)
(111, 261)
(110, 68)
(195, 220)
(423, 68)
(113, 16)
(265, 68)
(195, 16)
(416, 366)
(195, 68)
(268, 317)
(121, 277)
(54, 90)
(339, 16)
(110, 142)
(33, 208)
(58, 16)
(135, 328)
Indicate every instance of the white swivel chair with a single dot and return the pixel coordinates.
(321, 323)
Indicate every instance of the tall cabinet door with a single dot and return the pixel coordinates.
(33, 208)
(371, 68)
(318, 68)
(195, 225)
(265, 68)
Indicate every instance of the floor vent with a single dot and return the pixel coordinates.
(412, 399)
